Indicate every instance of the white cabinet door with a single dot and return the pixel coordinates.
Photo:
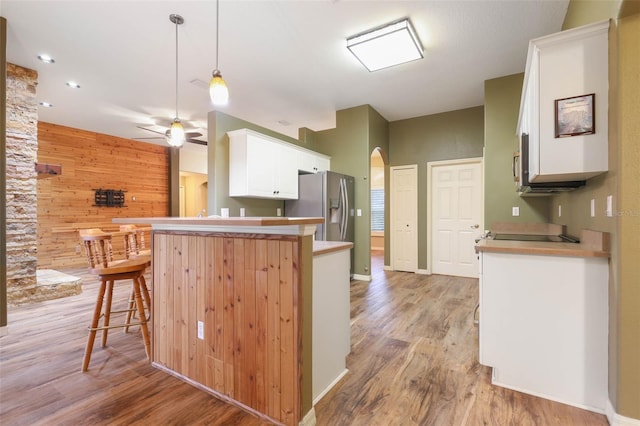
(285, 184)
(261, 167)
(311, 162)
(261, 157)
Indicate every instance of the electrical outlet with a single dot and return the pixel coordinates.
(515, 211)
(359, 212)
(200, 330)
(278, 212)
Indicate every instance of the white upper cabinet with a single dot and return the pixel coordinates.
(312, 162)
(264, 167)
(562, 69)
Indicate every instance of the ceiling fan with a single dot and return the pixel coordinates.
(189, 136)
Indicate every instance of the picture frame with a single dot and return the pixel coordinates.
(575, 116)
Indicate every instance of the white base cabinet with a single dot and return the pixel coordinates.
(544, 325)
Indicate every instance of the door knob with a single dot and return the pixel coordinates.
(476, 226)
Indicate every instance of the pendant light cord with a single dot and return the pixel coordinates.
(176, 68)
(217, 31)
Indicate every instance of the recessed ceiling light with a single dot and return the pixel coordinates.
(386, 46)
(46, 104)
(73, 84)
(46, 59)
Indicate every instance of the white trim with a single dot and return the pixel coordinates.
(616, 419)
(423, 272)
(545, 396)
(430, 166)
(362, 277)
(387, 268)
(331, 385)
(309, 419)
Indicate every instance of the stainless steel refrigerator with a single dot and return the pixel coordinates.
(328, 195)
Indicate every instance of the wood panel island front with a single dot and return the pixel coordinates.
(232, 309)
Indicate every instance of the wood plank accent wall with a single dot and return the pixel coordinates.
(90, 161)
(246, 291)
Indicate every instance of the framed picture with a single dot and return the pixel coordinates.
(576, 116)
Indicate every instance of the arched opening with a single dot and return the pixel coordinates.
(378, 197)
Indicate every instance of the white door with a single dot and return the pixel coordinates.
(404, 218)
(456, 217)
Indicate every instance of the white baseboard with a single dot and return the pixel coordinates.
(309, 419)
(331, 385)
(545, 396)
(386, 268)
(362, 277)
(423, 272)
(616, 419)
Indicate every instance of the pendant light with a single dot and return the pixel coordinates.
(218, 90)
(176, 133)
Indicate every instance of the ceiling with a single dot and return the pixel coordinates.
(285, 62)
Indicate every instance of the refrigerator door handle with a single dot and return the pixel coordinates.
(345, 209)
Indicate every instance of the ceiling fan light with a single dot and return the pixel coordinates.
(218, 90)
(176, 134)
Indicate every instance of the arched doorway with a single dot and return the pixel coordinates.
(378, 205)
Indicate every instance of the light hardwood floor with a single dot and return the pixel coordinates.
(413, 362)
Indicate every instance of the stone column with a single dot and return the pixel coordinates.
(21, 183)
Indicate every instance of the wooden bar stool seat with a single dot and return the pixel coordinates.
(101, 263)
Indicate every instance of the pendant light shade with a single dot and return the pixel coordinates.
(175, 135)
(218, 90)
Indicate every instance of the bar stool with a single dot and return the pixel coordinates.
(134, 241)
(100, 259)
(134, 248)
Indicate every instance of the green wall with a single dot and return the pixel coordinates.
(501, 108)
(446, 136)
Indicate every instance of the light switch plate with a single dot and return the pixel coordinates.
(609, 205)
(559, 210)
(515, 211)
(359, 212)
(593, 207)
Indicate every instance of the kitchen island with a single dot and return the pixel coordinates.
(544, 317)
(233, 309)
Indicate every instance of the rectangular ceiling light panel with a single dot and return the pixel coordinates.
(384, 47)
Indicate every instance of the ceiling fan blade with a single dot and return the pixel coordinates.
(197, 141)
(192, 134)
(152, 131)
